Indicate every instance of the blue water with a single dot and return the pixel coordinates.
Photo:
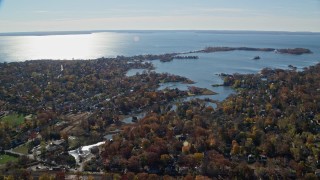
(203, 71)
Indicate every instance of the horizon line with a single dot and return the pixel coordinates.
(137, 30)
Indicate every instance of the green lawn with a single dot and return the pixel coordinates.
(23, 149)
(13, 119)
(73, 143)
(6, 158)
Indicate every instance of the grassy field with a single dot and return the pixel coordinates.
(13, 119)
(73, 143)
(23, 149)
(6, 158)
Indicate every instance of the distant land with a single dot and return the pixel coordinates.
(48, 33)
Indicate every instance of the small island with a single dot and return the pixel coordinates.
(171, 57)
(294, 51)
(256, 58)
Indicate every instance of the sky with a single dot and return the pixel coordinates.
(75, 15)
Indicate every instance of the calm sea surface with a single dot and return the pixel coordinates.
(203, 71)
